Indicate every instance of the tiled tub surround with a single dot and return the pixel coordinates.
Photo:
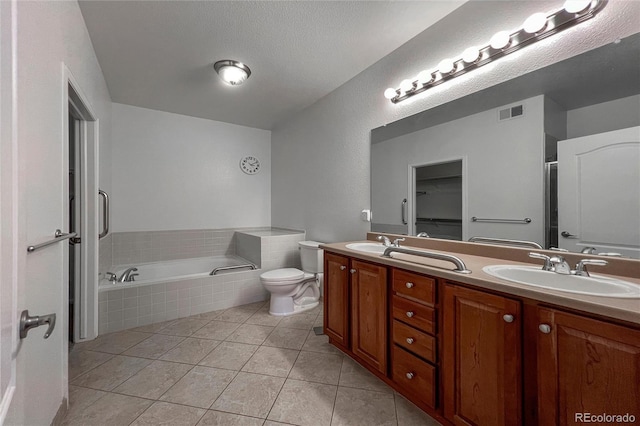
(240, 366)
(136, 304)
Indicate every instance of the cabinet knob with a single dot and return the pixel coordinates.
(545, 328)
(410, 340)
(508, 318)
(353, 271)
(409, 314)
(409, 285)
(410, 376)
(342, 267)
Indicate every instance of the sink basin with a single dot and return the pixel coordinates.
(595, 285)
(375, 248)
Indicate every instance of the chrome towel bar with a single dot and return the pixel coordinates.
(226, 268)
(105, 213)
(505, 242)
(478, 219)
(58, 236)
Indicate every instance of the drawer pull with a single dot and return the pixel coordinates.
(410, 376)
(353, 271)
(342, 267)
(508, 318)
(409, 285)
(410, 314)
(410, 340)
(545, 328)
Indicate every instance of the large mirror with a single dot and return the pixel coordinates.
(550, 157)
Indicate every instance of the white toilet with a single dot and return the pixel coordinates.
(292, 290)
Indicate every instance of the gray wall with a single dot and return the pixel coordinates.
(604, 117)
(320, 178)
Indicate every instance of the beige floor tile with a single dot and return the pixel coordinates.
(210, 315)
(289, 338)
(199, 387)
(304, 403)
(153, 328)
(359, 407)
(238, 314)
(250, 333)
(254, 306)
(82, 361)
(271, 361)
(356, 376)
(317, 367)
(272, 423)
(410, 415)
(154, 380)
(264, 318)
(163, 413)
(190, 351)
(300, 321)
(216, 330)
(218, 418)
(184, 327)
(110, 410)
(320, 343)
(154, 346)
(112, 373)
(319, 322)
(80, 399)
(250, 395)
(116, 343)
(229, 355)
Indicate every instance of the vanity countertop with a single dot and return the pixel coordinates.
(618, 308)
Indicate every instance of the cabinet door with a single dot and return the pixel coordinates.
(481, 358)
(586, 366)
(336, 295)
(369, 313)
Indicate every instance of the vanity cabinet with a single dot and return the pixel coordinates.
(481, 357)
(355, 315)
(585, 366)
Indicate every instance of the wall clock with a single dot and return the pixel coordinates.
(250, 165)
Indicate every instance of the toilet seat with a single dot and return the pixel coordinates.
(285, 276)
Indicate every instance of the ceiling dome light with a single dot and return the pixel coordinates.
(390, 93)
(576, 6)
(446, 66)
(471, 55)
(500, 40)
(535, 23)
(232, 72)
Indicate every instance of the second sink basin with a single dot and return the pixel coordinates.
(595, 285)
(375, 248)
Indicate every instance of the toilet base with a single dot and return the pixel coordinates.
(284, 306)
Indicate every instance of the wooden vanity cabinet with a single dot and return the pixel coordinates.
(481, 358)
(355, 316)
(585, 365)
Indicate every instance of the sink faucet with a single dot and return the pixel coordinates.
(581, 267)
(127, 276)
(588, 250)
(423, 234)
(397, 241)
(385, 240)
(555, 264)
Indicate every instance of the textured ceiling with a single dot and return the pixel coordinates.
(159, 54)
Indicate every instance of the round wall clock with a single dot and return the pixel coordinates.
(250, 165)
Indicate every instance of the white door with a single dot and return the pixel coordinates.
(599, 192)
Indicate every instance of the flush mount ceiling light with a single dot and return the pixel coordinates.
(536, 27)
(232, 72)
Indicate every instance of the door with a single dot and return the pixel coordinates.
(481, 358)
(336, 294)
(586, 366)
(599, 192)
(369, 313)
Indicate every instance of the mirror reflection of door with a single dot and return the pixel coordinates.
(437, 200)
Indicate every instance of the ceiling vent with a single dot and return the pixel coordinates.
(512, 112)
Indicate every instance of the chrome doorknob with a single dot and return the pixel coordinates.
(409, 285)
(410, 340)
(410, 376)
(545, 328)
(566, 234)
(28, 322)
(508, 318)
(410, 314)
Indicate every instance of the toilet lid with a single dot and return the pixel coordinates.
(285, 274)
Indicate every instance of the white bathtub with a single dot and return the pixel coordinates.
(174, 270)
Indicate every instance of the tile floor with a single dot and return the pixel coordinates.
(239, 366)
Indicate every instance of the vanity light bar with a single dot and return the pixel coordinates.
(536, 27)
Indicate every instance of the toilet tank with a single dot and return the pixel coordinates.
(311, 256)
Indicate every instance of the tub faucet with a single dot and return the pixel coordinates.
(111, 277)
(127, 276)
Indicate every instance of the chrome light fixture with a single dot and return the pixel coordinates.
(536, 27)
(232, 72)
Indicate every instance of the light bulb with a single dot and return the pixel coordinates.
(500, 40)
(471, 55)
(406, 85)
(535, 23)
(425, 77)
(390, 93)
(233, 75)
(576, 6)
(446, 66)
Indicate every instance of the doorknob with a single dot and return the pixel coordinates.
(568, 235)
(27, 323)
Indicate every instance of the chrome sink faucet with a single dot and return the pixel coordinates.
(385, 240)
(397, 241)
(127, 276)
(555, 264)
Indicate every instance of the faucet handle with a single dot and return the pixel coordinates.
(110, 276)
(560, 265)
(397, 241)
(384, 239)
(548, 266)
(581, 267)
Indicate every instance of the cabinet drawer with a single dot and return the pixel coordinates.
(414, 314)
(415, 376)
(415, 286)
(414, 340)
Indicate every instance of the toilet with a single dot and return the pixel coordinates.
(294, 291)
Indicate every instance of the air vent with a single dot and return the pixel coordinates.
(512, 112)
